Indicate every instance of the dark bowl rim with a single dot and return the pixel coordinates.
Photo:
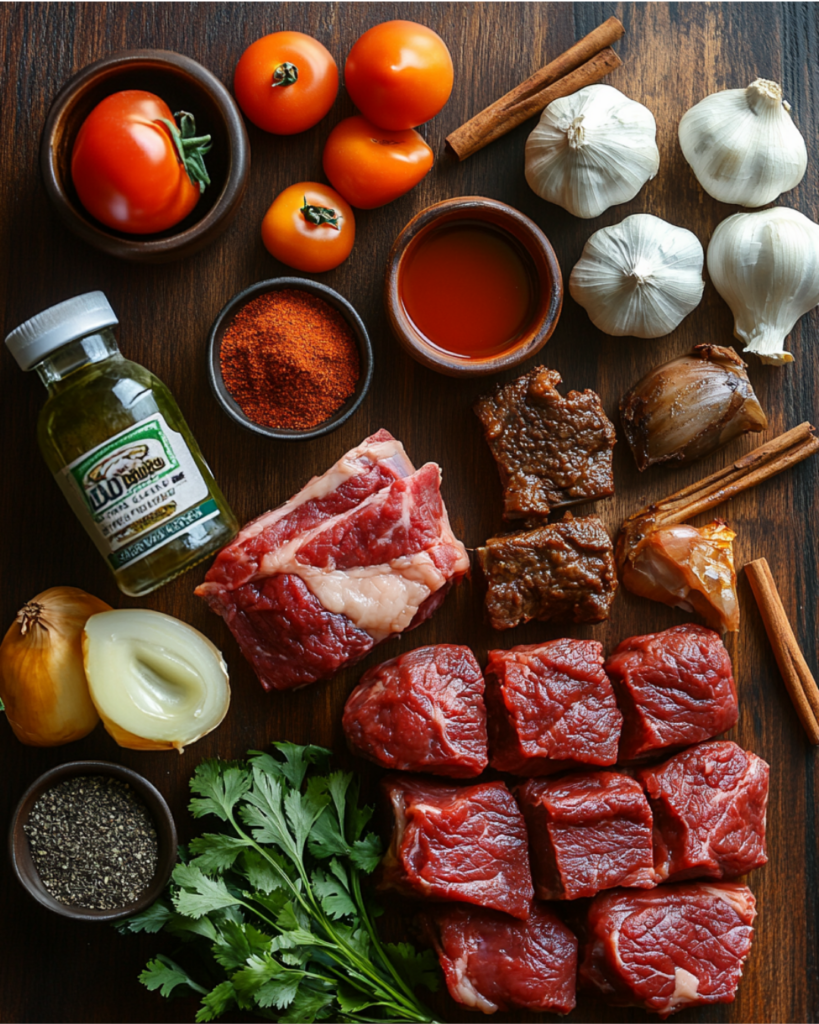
(337, 301)
(412, 341)
(157, 806)
(168, 244)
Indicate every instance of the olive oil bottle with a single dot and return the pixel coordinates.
(119, 448)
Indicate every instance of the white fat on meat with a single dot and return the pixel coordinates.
(738, 897)
(353, 463)
(464, 991)
(685, 988)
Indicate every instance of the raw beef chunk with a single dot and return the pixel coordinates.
(564, 573)
(709, 812)
(674, 688)
(493, 962)
(359, 554)
(422, 711)
(587, 831)
(463, 843)
(551, 451)
(551, 707)
(670, 948)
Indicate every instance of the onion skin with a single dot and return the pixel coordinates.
(689, 407)
(42, 679)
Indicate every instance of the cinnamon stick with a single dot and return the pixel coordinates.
(760, 464)
(795, 672)
(589, 60)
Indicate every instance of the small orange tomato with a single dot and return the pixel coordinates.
(371, 166)
(286, 82)
(399, 74)
(309, 227)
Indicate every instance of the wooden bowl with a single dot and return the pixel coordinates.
(332, 298)
(184, 85)
(20, 854)
(544, 269)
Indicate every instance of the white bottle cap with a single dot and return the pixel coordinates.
(38, 337)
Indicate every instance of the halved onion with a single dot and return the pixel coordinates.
(156, 682)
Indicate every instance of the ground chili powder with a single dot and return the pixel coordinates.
(289, 360)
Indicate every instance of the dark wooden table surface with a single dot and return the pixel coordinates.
(675, 54)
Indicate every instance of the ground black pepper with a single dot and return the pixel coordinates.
(93, 842)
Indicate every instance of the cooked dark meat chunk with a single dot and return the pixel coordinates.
(550, 707)
(551, 451)
(670, 948)
(564, 573)
(464, 843)
(674, 688)
(709, 812)
(588, 831)
(493, 962)
(421, 712)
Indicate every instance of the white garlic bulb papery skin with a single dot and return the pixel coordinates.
(640, 277)
(743, 146)
(766, 267)
(592, 150)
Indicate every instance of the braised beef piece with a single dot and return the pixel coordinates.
(551, 451)
(563, 572)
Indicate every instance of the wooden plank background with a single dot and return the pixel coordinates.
(674, 54)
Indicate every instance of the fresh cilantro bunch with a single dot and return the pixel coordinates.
(276, 897)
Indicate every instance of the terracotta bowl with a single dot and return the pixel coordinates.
(20, 854)
(543, 266)
(332, 298)
(184, 85)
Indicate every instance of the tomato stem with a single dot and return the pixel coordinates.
(190, 147)
(320, 215)
(285, 74)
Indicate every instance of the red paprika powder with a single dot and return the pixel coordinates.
(289, 360)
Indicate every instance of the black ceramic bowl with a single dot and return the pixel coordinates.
(332, 298)
(184, 85)
(23, 864)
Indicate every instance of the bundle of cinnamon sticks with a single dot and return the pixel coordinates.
(583, 64)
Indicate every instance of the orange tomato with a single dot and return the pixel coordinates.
(371, 166)
(399, 74)
(309, 227)
(286, 82)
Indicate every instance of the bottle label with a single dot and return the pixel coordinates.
(137, 491)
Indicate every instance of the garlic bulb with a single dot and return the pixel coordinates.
(766, 267)
(592, 150)
(42, 680)
(156, 682)
(640, 277)
(743, 146)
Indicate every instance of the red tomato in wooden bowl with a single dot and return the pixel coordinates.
(399, 74)
(309, 227)
(127, 163)
(372, 166)
(286, 82)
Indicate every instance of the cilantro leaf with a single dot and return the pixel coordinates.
(216, 1002)
(298, 759)
(165, 975)
(418, 968)
(237, 943)
(261, 874)
(303, 809)
(152, 919)
(333, 895)
(366, 853)
(309, 1005)
(198, 894)
(216, 851)
(220, 785)
(268, 981)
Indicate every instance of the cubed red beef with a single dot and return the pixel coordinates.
(493, 962)
(709, 811)
(550, 707)
(673, 947)
(464, 843)
(588, 831)
(422, 711)
(674, 688)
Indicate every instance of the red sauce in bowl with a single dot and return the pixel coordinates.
(468, 288)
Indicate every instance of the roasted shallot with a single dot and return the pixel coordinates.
(689, 407)
(662, 558)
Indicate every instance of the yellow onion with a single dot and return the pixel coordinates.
(157, 683)
(42, 680)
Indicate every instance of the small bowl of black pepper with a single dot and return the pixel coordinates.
(93, 841)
